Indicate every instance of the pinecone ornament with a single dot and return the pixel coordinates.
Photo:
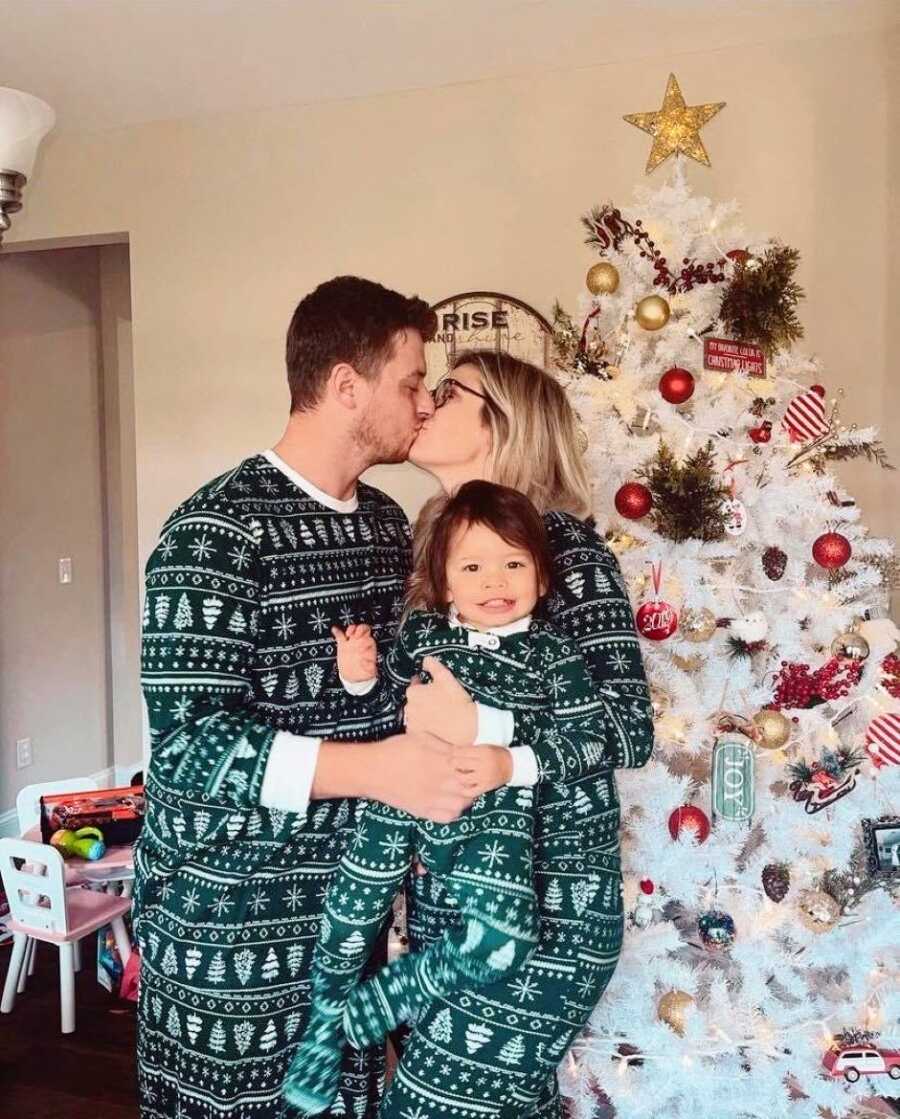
(774, 562)
(776, 880)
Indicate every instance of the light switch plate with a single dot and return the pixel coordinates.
(65, 569)
(24, 757)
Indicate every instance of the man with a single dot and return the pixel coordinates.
(255, 745)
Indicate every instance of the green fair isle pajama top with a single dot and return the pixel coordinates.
(484, 862)
(248, 578)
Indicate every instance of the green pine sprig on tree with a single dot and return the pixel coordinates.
(687, 497)
(760, 303)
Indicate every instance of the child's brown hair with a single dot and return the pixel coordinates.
(507, 512)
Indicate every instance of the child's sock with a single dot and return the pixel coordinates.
(379, 1005)
(313, 1078)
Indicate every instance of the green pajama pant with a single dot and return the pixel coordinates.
(492, 1053)
(484, 861)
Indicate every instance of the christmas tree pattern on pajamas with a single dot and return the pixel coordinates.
(249, 576)
(484, 860)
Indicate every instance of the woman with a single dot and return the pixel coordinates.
(509, 422)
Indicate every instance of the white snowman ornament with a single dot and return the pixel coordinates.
(751, 627)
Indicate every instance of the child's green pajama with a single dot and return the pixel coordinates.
(483, 860)
(576, 878)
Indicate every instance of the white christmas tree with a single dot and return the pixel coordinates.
(758, 934)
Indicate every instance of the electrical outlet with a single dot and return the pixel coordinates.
(65, 569)
(24, 756)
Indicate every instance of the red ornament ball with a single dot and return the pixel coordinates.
(656, 620)
(633, 500)
(647, 886)
(831, 550)
(689, 818)
(676, 385)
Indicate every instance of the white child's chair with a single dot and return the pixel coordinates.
(28, 810)
(43, 908)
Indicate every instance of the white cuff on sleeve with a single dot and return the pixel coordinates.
(289, 774)
(495, 726)
(358, 687)
(524, 766)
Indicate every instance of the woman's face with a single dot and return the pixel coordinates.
(454, 438)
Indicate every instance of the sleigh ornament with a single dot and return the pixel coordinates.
(825, 782)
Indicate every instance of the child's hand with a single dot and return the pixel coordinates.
(357, 654)
(483, 767)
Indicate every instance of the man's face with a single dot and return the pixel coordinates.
(398, 402)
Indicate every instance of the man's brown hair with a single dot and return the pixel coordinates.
(350, 320)
(507, 512)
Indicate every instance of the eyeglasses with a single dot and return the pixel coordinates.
(444, 390)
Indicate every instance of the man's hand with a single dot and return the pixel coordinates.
(419, 773)
(443, 707)
(357, 654)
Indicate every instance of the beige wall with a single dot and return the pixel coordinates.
(478, 185)
(53, 672)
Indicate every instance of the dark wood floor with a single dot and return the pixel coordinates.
(44, 1074)
(89, 1074)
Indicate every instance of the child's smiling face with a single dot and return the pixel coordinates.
(490, 581)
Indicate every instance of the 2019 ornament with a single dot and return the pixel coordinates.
(652, 313)
(656, 620)
(633, 500)
(676, 385)
(883, 739)
(817, 911)
(602, 278)
(772, 728)
(804, 417)
(691, 819)
(673, 1009)
(831, 550)
(697, 626)
(717, 930)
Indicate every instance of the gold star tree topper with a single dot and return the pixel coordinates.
(676, 126)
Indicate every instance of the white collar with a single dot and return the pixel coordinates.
(323, 498)
(519, 626)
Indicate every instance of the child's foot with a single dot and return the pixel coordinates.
(314, 1074)
(374, 1008)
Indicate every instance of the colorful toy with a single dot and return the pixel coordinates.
(853, 1061)
(86, 843)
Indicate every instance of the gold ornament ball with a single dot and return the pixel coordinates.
(774, 728)
(672, 1009)
(602, 278)
(817, 911)
(852, 646)
(652, 312)
(697, 625)
(660, 701)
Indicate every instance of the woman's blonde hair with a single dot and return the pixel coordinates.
(534, 433)
(535, 447)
